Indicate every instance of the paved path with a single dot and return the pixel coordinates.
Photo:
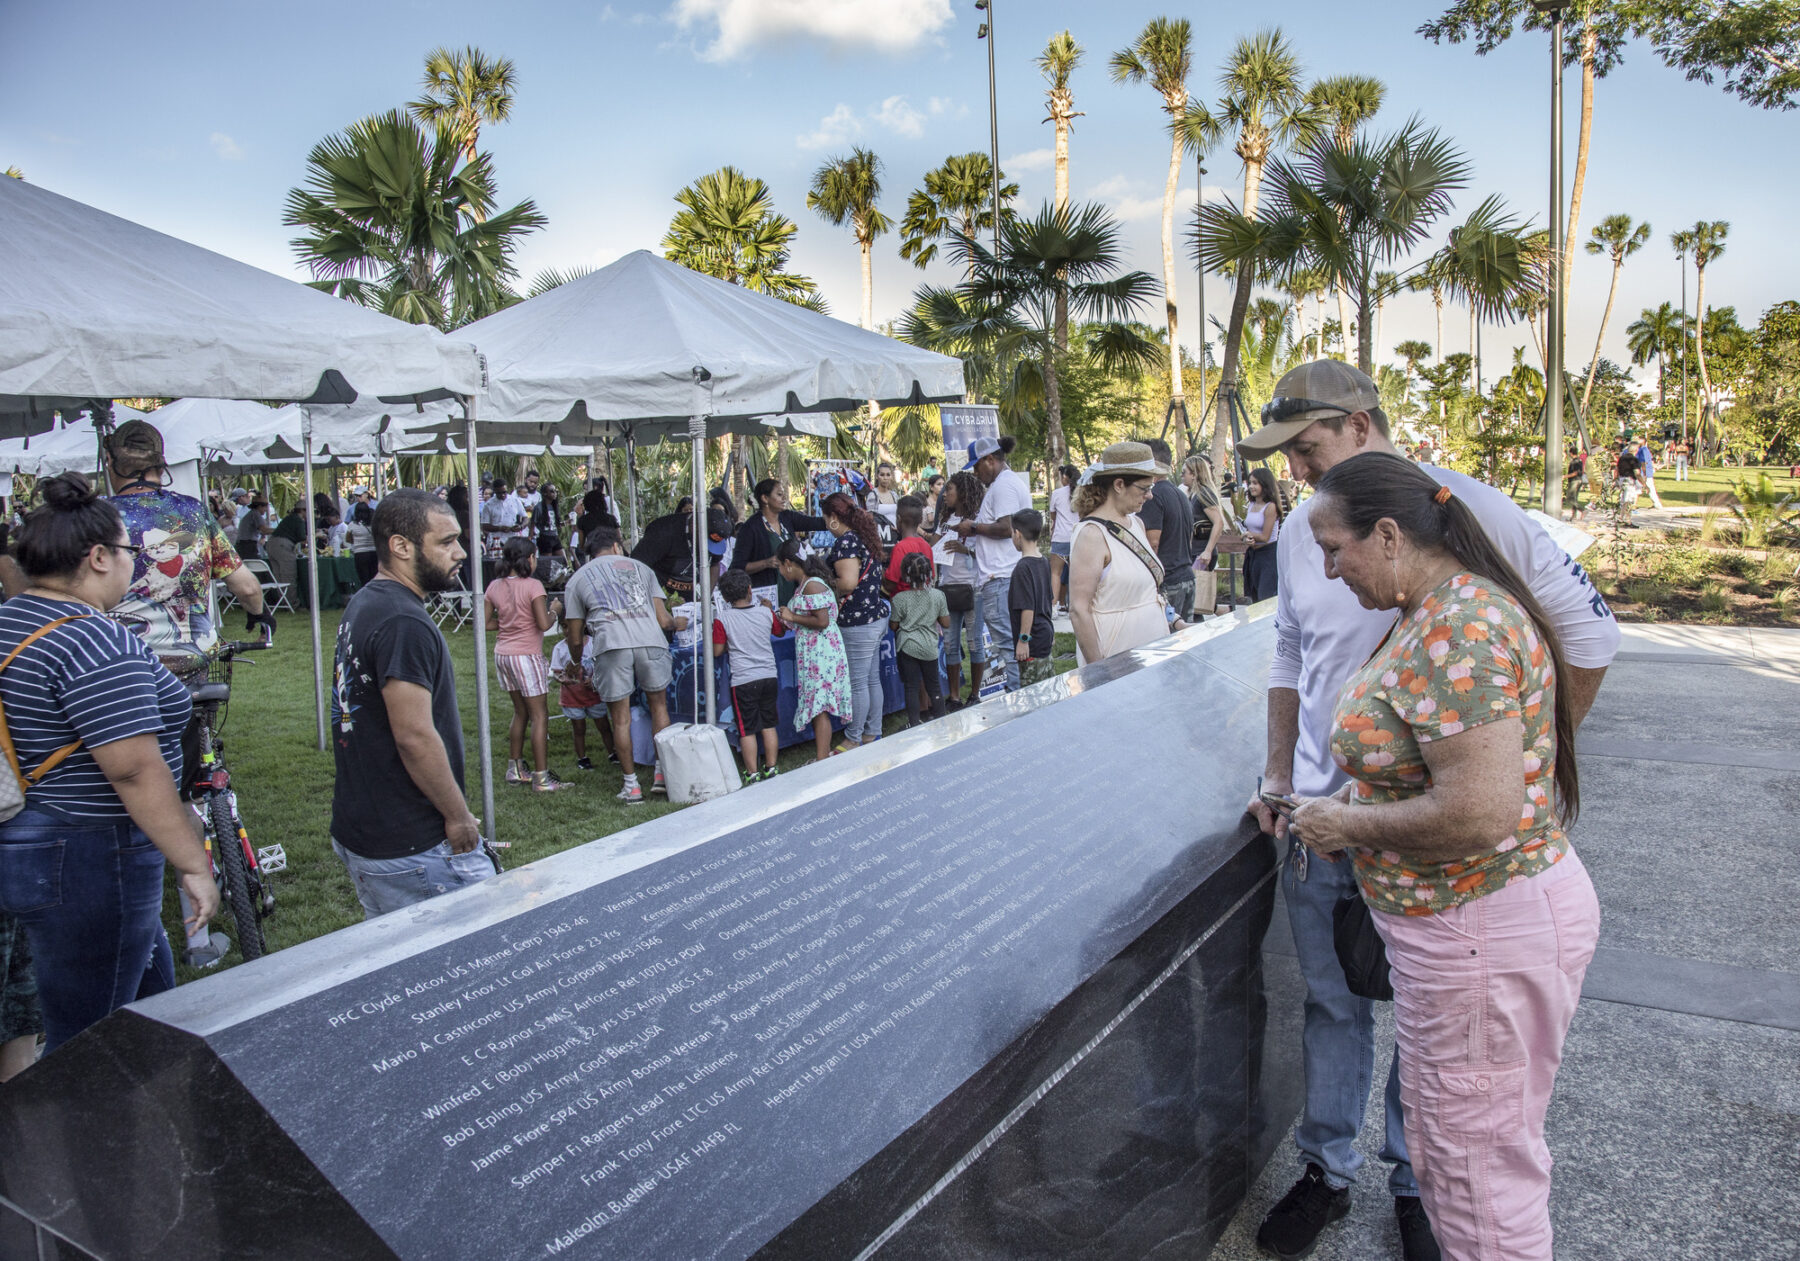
(1676, 1120)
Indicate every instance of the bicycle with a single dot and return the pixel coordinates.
(239, 868)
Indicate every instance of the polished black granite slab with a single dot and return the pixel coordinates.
(992, 988)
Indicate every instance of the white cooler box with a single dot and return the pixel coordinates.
(696, 762)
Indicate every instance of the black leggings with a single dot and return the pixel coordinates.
(914, 671)
(1260, 576)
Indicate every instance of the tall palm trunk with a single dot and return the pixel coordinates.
(1168, 248)
(1228, 378)
(877, 449)
(1706, 399)
(1437, 347)
(1583, 137)
(1587, 392)
(1343, 305)
(1056, 442)
(1365, 340)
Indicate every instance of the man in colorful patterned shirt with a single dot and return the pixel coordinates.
(183, 551)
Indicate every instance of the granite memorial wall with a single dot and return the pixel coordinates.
(991, 988)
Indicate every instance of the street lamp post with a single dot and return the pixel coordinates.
(987, 33)
(1681, 258)
(1553, 356)
(1199, 196)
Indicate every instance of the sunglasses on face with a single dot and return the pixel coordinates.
(1279, 409)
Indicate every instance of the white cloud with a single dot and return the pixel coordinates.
(737, 26)
(226, 147)
(840, 125)
(1030, 160)
(1117, 186)
(898, 116)
(938, 106)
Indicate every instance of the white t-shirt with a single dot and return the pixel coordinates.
(1062, 508)
(953, 568)
(1323, 634)
(995, 558)
(503, 514)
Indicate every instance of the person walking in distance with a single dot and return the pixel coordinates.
(1321, 414)
(399, 820)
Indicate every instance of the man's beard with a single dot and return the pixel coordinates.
(430, 579)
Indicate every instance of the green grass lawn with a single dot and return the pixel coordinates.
(284, 782)
(1702, 485)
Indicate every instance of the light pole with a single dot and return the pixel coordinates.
(1553, 351)
(987, 32)
(1200, 267)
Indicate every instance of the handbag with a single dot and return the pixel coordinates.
(960, 596)
(1361, 951)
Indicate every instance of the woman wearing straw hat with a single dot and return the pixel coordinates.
(1115, 580)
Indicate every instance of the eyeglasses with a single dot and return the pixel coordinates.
(136, 549)
(1279, 409)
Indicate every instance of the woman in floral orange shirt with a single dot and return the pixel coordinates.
(1461, 757)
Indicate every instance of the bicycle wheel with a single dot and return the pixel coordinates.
(234, 877)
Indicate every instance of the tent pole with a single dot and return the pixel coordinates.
(312, 567)
(631, 484)
(703, 561)
(480, 623)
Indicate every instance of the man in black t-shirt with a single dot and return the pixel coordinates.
(398, 816)
(1168, 517)
(1028, 598)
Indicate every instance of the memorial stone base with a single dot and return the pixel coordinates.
(992, 988)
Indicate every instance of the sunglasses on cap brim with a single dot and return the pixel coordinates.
(1277, 410)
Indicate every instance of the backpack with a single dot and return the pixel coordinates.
(14, 787)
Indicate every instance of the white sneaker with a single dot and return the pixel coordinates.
(630, 794)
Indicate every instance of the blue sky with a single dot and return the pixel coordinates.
(195, 118)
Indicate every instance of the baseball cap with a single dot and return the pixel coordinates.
(981, 448)
(1314, 391)
(136, 438)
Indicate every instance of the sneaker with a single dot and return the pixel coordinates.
(612, 756)
(769, 772)
(584, 764)
(749, 778)
(1417, 1243)
(1292, 1228)
(212, 953)
(515, 773)
(631, 795)
(657, 785)
(548, 783)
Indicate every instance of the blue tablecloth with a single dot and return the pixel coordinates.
(681, 687)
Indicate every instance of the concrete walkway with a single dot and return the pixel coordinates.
(1676, 1120)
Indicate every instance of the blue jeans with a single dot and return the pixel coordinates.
(862, 645)
(90, 897)
(1338, 1038)
(953, 648)
(997, 618)
(388, 884)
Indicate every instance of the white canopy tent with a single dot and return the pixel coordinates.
(645, 344)
(94, 307)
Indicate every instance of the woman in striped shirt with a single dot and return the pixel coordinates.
(81, 866)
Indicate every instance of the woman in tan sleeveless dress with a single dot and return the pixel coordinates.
(1115, 597)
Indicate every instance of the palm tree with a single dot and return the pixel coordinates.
(845, 190)
(1345, 103)
(1705, 241)
(1004, 315)
(393, 221)
(1490, 261)
(1618, 236)
(1347, 211)
(957, 197)
(1266, 106)
(14, 173)
(1057, 62)
(1163, 53)
(555, 278)
(1413, 353)
(1387, 285)
(1654, 335)
(464, 90)
(728, 227)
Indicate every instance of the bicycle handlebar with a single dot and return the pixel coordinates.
(232, 648)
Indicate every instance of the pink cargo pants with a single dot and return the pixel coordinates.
(1483, 995)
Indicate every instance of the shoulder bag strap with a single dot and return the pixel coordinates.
(6, 741)
(1135, 545)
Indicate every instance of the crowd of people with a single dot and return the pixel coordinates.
(1435, 654)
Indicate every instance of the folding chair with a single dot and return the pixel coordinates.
(265, 578)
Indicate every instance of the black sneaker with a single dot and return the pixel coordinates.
(584, 764)
(1292, 1228)
(1417, 1243)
